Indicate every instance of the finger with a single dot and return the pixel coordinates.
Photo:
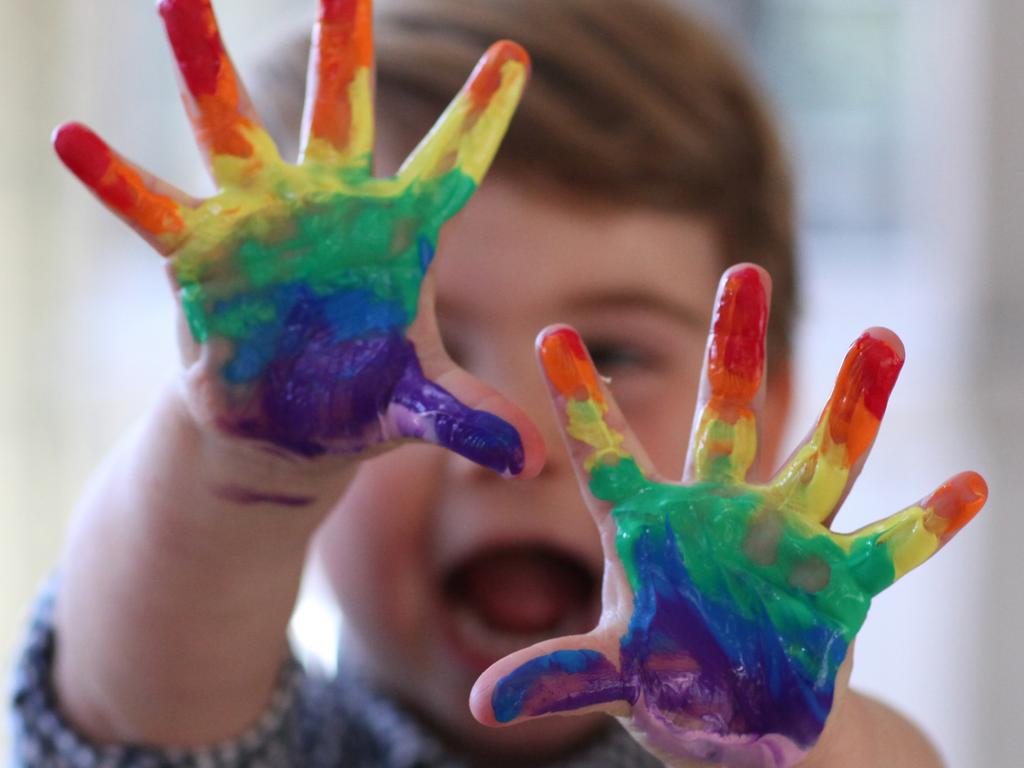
(557, 676)
(452, 159)
(439, 368)
(227, 129)
(821, 472)
(424, 410)
(609, 462)
(884, 552)
(153, 208)
(338, 124)
(723, 443)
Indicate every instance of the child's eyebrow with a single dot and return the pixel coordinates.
(639, 299)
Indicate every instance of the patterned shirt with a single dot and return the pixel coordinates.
(312, 722)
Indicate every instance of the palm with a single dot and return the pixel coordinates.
(739, 602)
(300, 282)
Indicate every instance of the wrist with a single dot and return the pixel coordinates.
(244, 472)
(845, 740)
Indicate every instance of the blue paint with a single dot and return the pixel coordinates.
(426, 251)
(540, 686)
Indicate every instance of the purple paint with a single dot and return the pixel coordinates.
(346, 395)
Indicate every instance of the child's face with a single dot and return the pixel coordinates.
(442, 567)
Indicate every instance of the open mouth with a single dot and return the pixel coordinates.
(507, 598)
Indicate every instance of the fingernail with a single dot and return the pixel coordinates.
(568, 366)
(862, 391)
(736, 351)
(486, 79)
(955, 504)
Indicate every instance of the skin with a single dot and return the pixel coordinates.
(197, 527)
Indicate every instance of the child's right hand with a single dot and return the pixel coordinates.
(300, 283)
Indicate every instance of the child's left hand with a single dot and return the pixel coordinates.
(728, 606)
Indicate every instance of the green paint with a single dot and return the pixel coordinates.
(711, 522)
(364, 236)
(245, 314)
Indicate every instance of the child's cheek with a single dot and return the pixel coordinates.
(659, 409)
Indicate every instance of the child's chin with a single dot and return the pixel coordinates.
(534, 740)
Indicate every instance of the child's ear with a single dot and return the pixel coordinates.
(778, 398)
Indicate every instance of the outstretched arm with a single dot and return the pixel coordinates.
(309, 344)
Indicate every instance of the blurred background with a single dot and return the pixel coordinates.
(903, 117)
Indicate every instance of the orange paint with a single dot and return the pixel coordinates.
(736, 350)
(115, 181)
(954, 504)
(862, 390)
(344, 46)
(215, 103)
(218, 124)
(568, 366)
(486, 78)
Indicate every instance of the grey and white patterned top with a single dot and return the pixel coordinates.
(312, 722)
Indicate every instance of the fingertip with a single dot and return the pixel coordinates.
(566, 363)
(509, 50)
(872, 368)
(978, 486)
(736, 348)
(480, 702)
(534, 452)
(487, 78)
(889, 338)
(955, 503)
(748, 272)
(83, 152)
(62, 133)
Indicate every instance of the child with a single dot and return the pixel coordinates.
(639, 166)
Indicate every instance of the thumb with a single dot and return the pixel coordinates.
(578, 674)
(442, 403)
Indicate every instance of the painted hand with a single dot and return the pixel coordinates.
(300, 283)
(728, 606)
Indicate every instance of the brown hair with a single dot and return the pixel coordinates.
(629, 101)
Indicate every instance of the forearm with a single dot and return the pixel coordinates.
(181, 572)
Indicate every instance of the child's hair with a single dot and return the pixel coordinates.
(630, 102)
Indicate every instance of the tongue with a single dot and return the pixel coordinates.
(523, 590)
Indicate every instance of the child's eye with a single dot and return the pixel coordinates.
(615, 357)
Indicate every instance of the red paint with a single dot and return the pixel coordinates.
(344, 45)
(116, 182)
(343, 12)
(214, 95)
(192, 30)
(85, 153)
(736, 350)
(568, 366)
(486, 78)
(862, 392)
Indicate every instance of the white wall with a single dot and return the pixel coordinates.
(997, 385)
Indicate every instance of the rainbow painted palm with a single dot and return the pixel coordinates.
(743, 601)
(301, 281)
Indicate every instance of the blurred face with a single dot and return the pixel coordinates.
(442, 567)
